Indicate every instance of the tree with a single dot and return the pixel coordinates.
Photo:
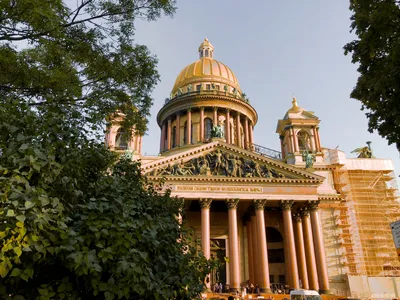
(77, 222)
(377, 51)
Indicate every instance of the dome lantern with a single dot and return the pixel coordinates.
(206, 49)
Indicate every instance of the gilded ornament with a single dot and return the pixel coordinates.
(232, 203)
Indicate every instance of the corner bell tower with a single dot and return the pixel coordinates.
(298, 132)
(116, 139)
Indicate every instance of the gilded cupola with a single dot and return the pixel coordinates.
(206, 93)
(206, 73)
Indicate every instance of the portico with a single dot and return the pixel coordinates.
(256, 267)
(243, 206)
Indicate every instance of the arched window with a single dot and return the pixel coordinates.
(206, 53)
(207, 128)
(121, 140)
(173, 137)
(276, 254)
(304, 141)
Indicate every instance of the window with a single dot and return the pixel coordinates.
(198, 87)
(206, 53)
(208, 86)
(173, 137)
(207, 128)
(271, 279)
(121, 140)
(201, 53)
(217, 87)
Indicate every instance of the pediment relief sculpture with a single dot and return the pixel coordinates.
(219, 163)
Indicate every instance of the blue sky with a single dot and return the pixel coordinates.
(276, 49)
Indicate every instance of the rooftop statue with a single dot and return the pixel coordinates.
(217, 131)
(308, 157)
(364, 152)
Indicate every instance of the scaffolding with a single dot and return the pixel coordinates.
(363, 219)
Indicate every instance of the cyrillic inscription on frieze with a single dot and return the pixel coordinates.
(222, 189)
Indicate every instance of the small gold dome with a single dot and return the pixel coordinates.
(205, 71)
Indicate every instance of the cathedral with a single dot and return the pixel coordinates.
(302, 217)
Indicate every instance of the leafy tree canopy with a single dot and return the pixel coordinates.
(76, 222)
(377, 52)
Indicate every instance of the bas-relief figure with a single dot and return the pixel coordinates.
(222, 164)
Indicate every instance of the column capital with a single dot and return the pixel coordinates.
(296, 216)
(228, 110)
(232, 203)
(259, 204)
(189, 109)
(304, 211)
(215, 108)
(313, 205)
(202, 108)
(287, 204)
(205, 203)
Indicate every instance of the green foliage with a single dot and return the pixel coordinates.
(377, 52)
(82, 58)
(76, 222)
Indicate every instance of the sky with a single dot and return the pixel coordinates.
(277, 49)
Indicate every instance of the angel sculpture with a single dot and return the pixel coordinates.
(364, 152)
(308, 158)
(217, 131)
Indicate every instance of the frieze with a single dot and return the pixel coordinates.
(219, 163)
(232, 189)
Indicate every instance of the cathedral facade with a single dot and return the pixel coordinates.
(302, 217)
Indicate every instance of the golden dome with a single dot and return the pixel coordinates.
(206, 71)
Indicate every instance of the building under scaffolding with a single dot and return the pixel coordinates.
(368, 204)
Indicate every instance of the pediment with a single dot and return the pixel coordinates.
(221, 160)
